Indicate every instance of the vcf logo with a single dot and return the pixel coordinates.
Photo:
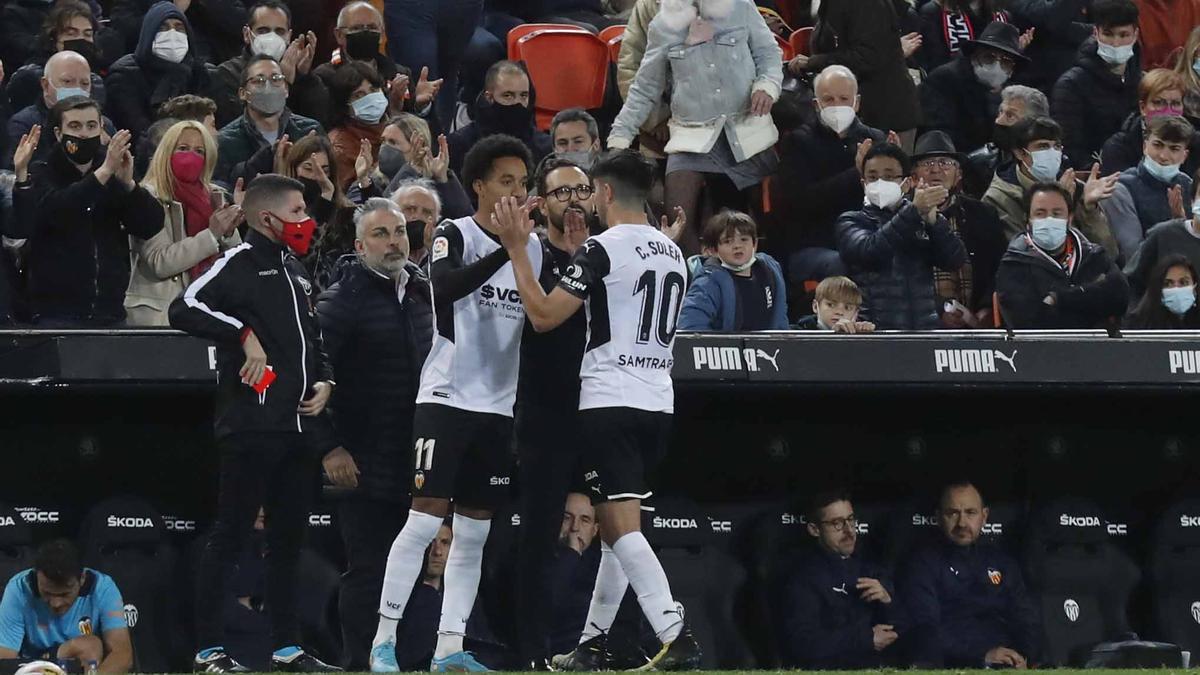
(1071, 609)
(1196, 611)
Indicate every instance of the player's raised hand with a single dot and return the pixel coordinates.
(510, 219)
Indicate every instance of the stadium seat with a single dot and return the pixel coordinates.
(786, 47)
(703, 578)
(317, 606)
(799, 41)
(568, 68)
(526, 28)
(324, 536)
(1175, 584)
(125, 538)
(16, 544)
(613, 36)
(1078, 579)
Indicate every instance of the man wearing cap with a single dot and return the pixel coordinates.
(966, 293)
(962, 96)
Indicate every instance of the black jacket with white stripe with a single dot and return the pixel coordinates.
(260, 285)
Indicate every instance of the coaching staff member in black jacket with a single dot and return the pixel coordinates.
(256, 304)
(377, 322)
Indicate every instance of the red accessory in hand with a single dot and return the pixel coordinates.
(268, 377)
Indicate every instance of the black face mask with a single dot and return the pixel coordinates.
(514, 119)
(84, 48)
(80, 150)
(416, 234)
(363, 45)
(312, 192)
(391, 160)
(1002, 136)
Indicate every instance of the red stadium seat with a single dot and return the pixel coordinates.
(612, 36)
(786, 48)
(799, 41)
(526, 28)
(568, 68)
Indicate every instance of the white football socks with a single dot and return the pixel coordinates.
(649, 581)
(461, 582)
(611, 583)
(403, 567)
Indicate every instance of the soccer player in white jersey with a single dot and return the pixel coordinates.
(463, 422)
(632, 278)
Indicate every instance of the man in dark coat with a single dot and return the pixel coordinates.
(966, 599)
(1094, 97)
(962, 97)
(506, 106)
(1052, 276)
(268, 30)
(891, 246)
(377, 322)
(82, 207)
(836, 610)
(969, 289)
(217, 25)
(164, 65)
(819, 177)
(1059, 28)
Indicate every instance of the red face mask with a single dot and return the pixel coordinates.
(187, 166)
(297, 235)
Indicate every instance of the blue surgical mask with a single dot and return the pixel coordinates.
(64, 92)
(1048, 233)
(371, 107)
(1196, 66)
(1046, 164)
(1179, 299)
(1164, 172)
(1116, 56)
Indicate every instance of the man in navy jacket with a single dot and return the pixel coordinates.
(838, 609)
(967, 599)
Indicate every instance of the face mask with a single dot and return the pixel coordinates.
(371, 107)
(271, 44)
(391, 160)
(581, 158)
(1046, 164)
(1196, 66)
(363, 45)
(511, 118)
(1002, 136)
(268, 100)
(838, 117)
(80, 150)
(1164, 112)
(1116, 56)
(297, 235)
(993, 74)
(1048, 233)
(883, 193)
(1180, 299)
(187, 166)
(416, 234)
(739, 268)
(1164, 172)
(83, 48)
(66, 92)
(170, 46)
(312, 191)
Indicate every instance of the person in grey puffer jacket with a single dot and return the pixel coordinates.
(726, 70)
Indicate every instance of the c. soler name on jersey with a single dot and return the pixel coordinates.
(651, 362)
(507, 300)
(658, 248)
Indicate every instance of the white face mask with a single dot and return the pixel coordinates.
(883, 193)
(1116, 56)
(993, 74)
(739, 268)
(271, 44)
(838, 117)
(170, 46)
(1045, 164)
(1048, 233)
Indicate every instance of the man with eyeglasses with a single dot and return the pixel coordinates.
(247, 145)
(961, 97)
(967, 601)
(268, 30)
(837, 609)
(966, 293)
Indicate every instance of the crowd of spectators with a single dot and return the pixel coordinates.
(900, 149)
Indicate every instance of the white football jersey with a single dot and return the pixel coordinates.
(633, 278)
(475, 357)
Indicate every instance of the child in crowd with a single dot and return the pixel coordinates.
(836, 308)
(738, 289)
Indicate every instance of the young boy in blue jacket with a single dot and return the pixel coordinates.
(738, 289)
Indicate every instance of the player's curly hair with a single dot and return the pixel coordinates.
(477, 165)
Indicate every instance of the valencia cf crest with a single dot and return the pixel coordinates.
(85, 626)
(994, 576)
(419, 480)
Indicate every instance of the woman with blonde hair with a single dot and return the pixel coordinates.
(1187, 65)
(198, 226)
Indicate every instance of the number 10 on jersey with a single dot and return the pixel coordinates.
(660, 306)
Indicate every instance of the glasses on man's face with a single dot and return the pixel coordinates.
(839, 524)
(276, 80)
(563, 194)
(988, 58)
(943, 163)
